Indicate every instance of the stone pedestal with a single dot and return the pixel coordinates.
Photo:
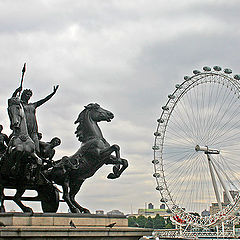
(57, 226)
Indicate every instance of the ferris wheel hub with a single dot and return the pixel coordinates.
(206, 150)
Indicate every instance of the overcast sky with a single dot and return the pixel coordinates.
(126, 55)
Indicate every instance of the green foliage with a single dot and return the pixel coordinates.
(141, 220)
(169, 224)
(157, 222)
(149, 223)
(132, 221)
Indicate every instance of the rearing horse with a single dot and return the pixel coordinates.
(95, 151)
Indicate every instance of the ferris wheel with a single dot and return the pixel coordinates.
(197, 148)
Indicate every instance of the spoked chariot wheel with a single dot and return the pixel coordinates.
(197, 148)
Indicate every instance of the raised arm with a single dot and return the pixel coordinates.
(17, 91)
(42, 101)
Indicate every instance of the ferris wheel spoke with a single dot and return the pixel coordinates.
(228, 139)
(183, 161)
(188, 119)
(229, 181)
(191, 115)
(215, 120)
(212, 109)
(233, 173)
(181, 137)
(184, 127)
(215, 113)
(183, 179)
(227, 122)
(224, 132)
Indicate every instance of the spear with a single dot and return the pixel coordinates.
(23, 72)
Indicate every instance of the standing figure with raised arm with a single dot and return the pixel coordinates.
(30, 112)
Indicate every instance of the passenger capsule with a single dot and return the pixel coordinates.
(155, 161)
(207, 69)
(196, 72)
(155, 147)
(160, 120)
(157, 134)
(237, 77)
(171, 96)
(163, 200)
(186, 77)
(217, 68)
(178, 86)
(159, 188)
(165, 108)
(156, 175)
(228, 71)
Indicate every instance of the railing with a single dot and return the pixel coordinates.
(192, 235)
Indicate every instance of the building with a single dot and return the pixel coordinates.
(115, 213)
(214, 208)
(162, 206)
(205, 213)
(153, 212)
(101, 212)
(233, 194)
(150, 206)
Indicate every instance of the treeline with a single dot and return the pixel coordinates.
(157, 222)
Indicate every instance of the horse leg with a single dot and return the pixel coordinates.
(117, 169)
(106, 152)
(2, 208)
(17, 197)
(66, 196)
(74, 189)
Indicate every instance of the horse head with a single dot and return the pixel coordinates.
(91, 115)
(98, 114)
(15, 112)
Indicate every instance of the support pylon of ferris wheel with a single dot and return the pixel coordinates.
(197, 149)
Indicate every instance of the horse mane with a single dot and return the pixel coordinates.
(80, 120)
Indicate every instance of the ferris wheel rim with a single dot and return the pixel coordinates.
(183, 88)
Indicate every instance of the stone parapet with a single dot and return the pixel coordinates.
(46, 226)
(61, 219)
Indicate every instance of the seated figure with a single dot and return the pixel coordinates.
(47, 150)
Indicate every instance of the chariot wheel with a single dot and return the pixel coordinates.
(49, 197)
(197, 148)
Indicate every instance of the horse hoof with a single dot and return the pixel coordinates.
(28, 210)
(2, 210)
(112, 176)
(84, 210)
(75, 210)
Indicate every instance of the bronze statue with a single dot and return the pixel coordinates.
(27, 162)
(30, 112)
(94, 152)
(20, 166)
(47, 150)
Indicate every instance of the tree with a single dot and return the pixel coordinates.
(169, 224)
(141, 221)
(158, 222)
(149, 223)
(132, 221)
